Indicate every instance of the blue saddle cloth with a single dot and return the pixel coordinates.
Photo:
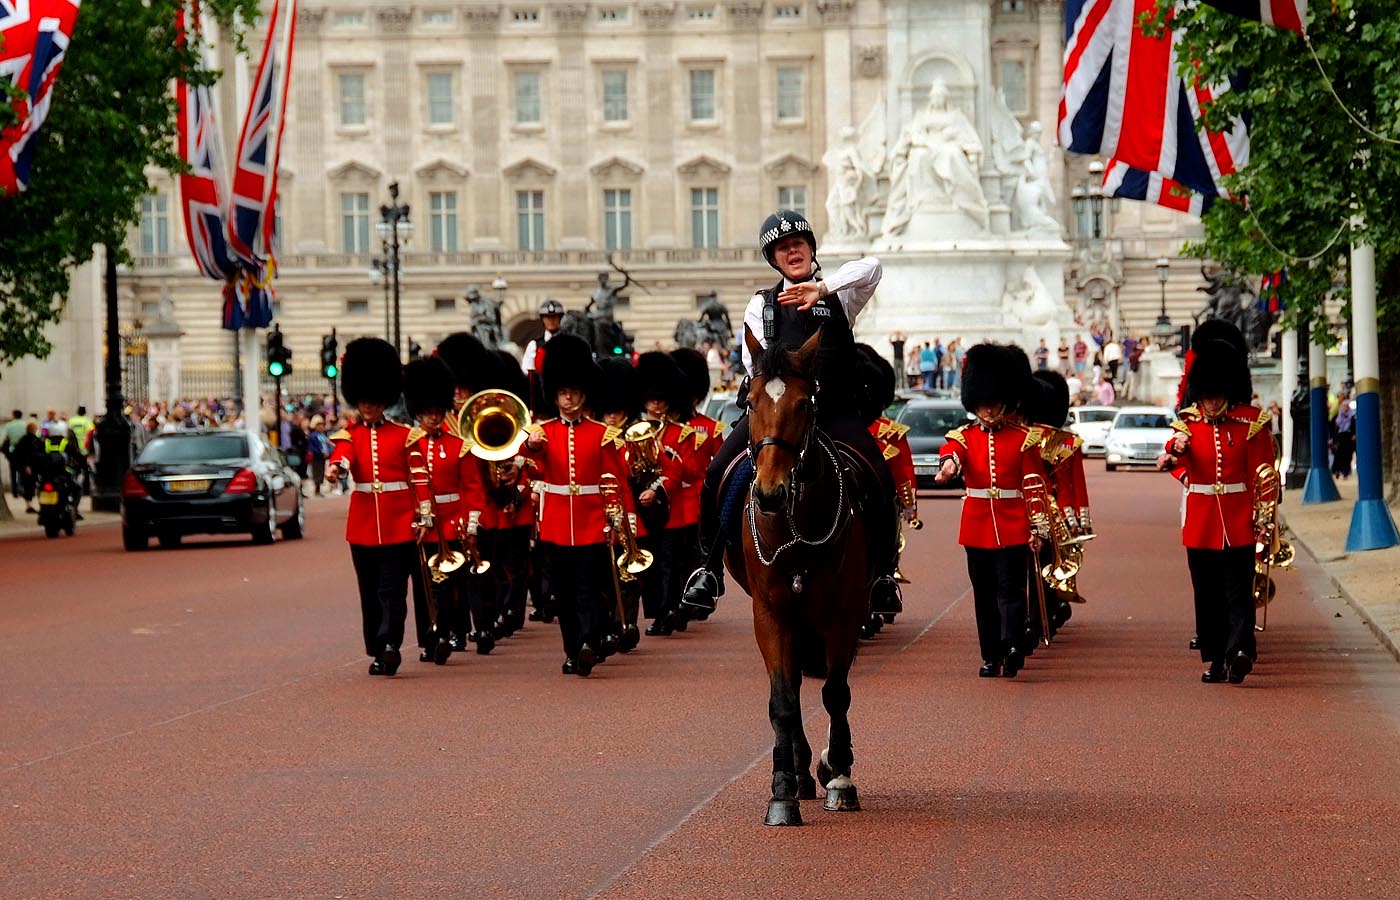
(731, 501)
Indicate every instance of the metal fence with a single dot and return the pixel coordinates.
(217, 380)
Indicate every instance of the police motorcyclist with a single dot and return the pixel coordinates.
(801, 303)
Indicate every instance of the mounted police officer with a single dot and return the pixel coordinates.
(800, 304)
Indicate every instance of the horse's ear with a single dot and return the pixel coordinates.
(808, 351)
(755, 348)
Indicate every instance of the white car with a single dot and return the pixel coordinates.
(1137, 436)
(1091, 423)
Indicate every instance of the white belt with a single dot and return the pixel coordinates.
(381, 487)
(567, 489)
(1218, 488)
(994, 493)
(447, 498)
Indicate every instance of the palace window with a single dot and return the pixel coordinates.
(704, 217)
(155, 225)
(1013, 85)
(617, 219)
(702, 95)
(442, 215)
(354, 223)
(790, 94)
(787, 11)
(356, 307)
(793, 197)
(352, 99)
(527, 98)
(529, 220)
(615, 96)
(440, 98)
(444, 304)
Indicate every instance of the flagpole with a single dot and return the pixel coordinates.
(1372, 527)
(247, 337)
(1319, 488)
(1288, 383)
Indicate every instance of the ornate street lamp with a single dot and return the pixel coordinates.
(395, 230)
(1096, 197)
(1163, 333)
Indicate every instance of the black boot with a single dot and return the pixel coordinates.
(702, 589)
(884, 597)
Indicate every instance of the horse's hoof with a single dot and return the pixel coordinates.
(841, 795)
(806, 787)
(783, 812)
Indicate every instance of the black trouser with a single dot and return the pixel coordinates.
(510, 563)
(882, 523)
(999, 597)
(1223, 582)
(382, 573)
(654, 580)
(14, 475)
(685, 556)
(578, 594)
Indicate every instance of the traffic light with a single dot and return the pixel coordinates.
(415, 349)
(279, 357)
(330, 367)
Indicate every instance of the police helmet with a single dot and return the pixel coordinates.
(551, 307)
(782, 224)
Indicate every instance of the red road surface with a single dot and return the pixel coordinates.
(198, 723)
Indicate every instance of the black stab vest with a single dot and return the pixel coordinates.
(836, 365)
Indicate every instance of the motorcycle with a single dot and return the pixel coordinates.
(58, 497)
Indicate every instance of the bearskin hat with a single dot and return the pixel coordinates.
(877, 381)
(370, 372)
(1048, 400)
(995, 373)
(568, 362)
(1218, 329)
(473, 366)
(509, 376)
(427, 385)
(1219, 369)
(696, 371)
(618, 390)
(659, 378)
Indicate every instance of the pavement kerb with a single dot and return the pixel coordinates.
(1384, 636)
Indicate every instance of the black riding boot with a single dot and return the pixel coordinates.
(706, 584)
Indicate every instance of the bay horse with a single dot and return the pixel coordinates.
(802, 559)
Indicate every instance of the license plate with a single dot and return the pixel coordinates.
(48, 498)
(187, 487)
(926, 470)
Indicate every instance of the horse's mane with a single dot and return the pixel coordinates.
(777, 362)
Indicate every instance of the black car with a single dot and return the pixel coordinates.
(929, 420)
(210, 482)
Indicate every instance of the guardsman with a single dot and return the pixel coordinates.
(1221, 445)
(449, 493)
(511, 509)
(697, 450)
(658, 488)
(474, 368)
(894, 445)
(381, 526)
(573, 453)
(799, 305)
(994, 455)
(617, 404)
(1062, 451)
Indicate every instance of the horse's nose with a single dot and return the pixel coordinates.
(770, 501)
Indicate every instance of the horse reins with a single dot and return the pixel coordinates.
(838, 519)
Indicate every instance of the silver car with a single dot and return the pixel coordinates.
(1091, 423)
(1137, 436)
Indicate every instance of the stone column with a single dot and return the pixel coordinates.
(483, 84)
(398, 84)
(663, 80)
(569, 202)
(751, 80)
(306, 208)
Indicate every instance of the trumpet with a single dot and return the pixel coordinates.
(479, 566)
(1270, 550)
(632, 561)
(446, 560)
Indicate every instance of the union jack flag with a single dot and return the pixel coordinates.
(1122, 180)
(1289, 14)
(34, 36)
(203, 189)
(255, 172)
(1124, 99)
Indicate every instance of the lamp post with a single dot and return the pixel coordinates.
(1096, 198)
(394, 229)
(114, 431)
(1163, 333)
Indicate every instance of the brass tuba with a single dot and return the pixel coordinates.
(495, 424)
(1046, 518)
(1270, 550)
(632, 561)
(643, 447)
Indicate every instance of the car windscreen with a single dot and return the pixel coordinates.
(932, 421)
(1097, 415)
(1142, 420)
(195, 449)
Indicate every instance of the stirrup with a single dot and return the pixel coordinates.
(702, 588)
(885, 596)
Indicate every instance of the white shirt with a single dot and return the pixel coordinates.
(853, 284)
(527, 359)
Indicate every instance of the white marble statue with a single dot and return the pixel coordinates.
(852, 183)
(1029, 305)
(934, 165)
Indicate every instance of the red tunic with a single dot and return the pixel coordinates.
(706, 437)
(1063, 454)
(454, 478)
(994, 522)
(376, 454)
(1218, 469)
(571, 462)
(669, 464)
(688, 461)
